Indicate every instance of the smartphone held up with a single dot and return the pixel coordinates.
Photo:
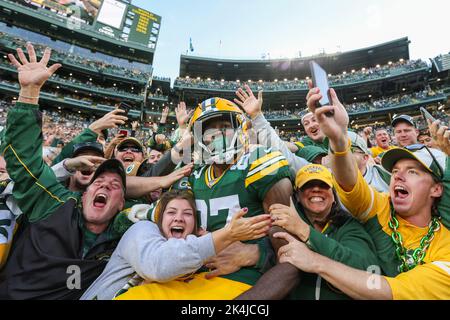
(125, 107)
(427, 115)
(320, 80)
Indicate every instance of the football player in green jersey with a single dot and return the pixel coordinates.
(232, 174)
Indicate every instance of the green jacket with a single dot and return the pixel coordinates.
(36, 189)
(52, 236)
(348, 243)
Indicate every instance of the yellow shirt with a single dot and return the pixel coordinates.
(197, 288)
(430, 280)
(376, 151)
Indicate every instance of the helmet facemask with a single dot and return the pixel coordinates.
(221, 145)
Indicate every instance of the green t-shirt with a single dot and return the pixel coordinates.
(89, 239)
(307, 141)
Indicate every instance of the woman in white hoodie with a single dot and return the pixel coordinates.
(171, 248)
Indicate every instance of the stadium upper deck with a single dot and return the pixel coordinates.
(269, 70)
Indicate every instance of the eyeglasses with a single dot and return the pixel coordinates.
(357, 150)
(417, 147)
(129, 148)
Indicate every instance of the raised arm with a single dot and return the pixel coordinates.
(333, 121)
(152, 255)
(266, 135)
(355, 283)
(277, 282)
(441, 134)
(140, 186)
(110, 120)
(36, 188)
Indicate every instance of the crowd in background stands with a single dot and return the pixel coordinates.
(393, 101)
(285, 84)
(384, 103)
(97, 87)
(85, 100)
(93, 86)
(284, 114)
(68, 58)
(71, 123)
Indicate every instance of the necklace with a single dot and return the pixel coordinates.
(409, 263)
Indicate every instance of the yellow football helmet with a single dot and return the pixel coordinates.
(217, 145)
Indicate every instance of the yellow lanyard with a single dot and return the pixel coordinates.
(326, 227)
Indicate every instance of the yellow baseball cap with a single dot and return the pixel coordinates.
(313, 172)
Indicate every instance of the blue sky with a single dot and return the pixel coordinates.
(283, 28)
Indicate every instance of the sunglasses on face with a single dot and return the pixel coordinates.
(129, 148)
(417, 147)
(313, 184)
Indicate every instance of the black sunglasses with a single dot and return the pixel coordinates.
(417, 147)
(130, 148)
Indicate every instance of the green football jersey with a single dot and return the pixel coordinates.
(244, 184)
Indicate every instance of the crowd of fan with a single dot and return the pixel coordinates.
(95, 87)
(96, 66)
(384, 103)
(285, 84)
(393, 101)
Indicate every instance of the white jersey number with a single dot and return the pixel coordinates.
(229, 202)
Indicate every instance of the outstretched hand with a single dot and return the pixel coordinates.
(183, 114)
(33, 74)
(247, 101)
(110, 120)
(441, 135)
(170, 179)
(243, 229)
(84, 163)
(164, 115)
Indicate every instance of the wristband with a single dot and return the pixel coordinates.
(343, 153)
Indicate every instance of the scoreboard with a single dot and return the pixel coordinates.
(145, 25)
(128, 22)
(117, 19)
